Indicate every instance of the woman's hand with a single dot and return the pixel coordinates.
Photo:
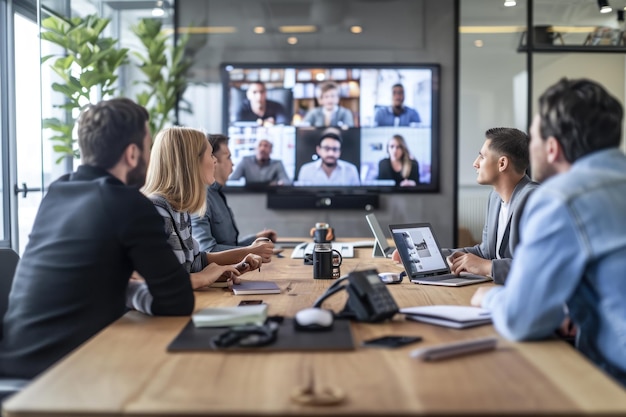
(212, 273)
(407, 183)
(249, 263)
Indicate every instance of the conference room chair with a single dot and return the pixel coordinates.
(8, 263)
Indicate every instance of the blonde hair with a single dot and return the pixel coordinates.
(406, 155)
(175, 172)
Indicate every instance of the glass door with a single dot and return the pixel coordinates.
(27, 185)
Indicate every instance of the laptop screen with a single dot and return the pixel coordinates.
(419, 249)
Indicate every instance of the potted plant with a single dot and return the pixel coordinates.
(165, 67)
(87, 66)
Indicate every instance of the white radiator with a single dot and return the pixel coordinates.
(472, 206)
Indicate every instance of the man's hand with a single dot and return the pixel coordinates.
(395, 256)
(477, 298)
(567, 328)
(268, 233)
(263, 247)
(136, 276)
(461, 261)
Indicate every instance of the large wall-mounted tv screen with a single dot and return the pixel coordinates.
(333, 127)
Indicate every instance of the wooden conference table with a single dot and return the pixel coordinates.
(125, 370)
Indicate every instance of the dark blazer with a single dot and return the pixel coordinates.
(487, 248)
(91, 232)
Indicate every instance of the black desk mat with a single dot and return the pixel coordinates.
(193, 338)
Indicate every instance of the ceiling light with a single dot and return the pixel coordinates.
(298, 29)
(208, 29)
(292, 40)
(604, 6)
(356, 29)
(259, 30)
(158, 10)
(478, 43)
(510, 3)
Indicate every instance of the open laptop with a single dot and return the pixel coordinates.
(422, 258)
(381, 247)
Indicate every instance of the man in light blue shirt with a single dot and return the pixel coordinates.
(397, 114)
(571, 259)
(328, 169)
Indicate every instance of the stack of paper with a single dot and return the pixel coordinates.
(230, 316)
(458, 317)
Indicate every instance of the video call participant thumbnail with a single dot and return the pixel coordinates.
(260, 168)
(329, 169)
(257, 108)
(329, 112)
(397, 114)
(399, 166)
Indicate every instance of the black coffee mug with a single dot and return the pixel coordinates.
(323, 264)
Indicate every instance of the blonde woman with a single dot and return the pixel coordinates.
(181, 166)
(399, 167)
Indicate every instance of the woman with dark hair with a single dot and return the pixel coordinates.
(399, 167)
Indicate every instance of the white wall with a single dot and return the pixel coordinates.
(607, 69)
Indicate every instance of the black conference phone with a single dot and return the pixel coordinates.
(368, 298)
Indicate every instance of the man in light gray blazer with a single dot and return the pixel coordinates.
(502, 163)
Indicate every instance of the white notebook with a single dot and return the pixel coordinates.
(230, 316)
(256, 287)
(458, 317)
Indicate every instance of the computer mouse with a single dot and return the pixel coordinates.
(313, 319)
(390, 277)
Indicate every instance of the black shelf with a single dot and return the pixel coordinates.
(574, 48)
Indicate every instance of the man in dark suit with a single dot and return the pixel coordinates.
(92, 230)
(502, 163)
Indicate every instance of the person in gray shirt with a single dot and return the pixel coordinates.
(216, 230)
(260, 168)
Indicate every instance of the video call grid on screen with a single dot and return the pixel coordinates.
(362, 90)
